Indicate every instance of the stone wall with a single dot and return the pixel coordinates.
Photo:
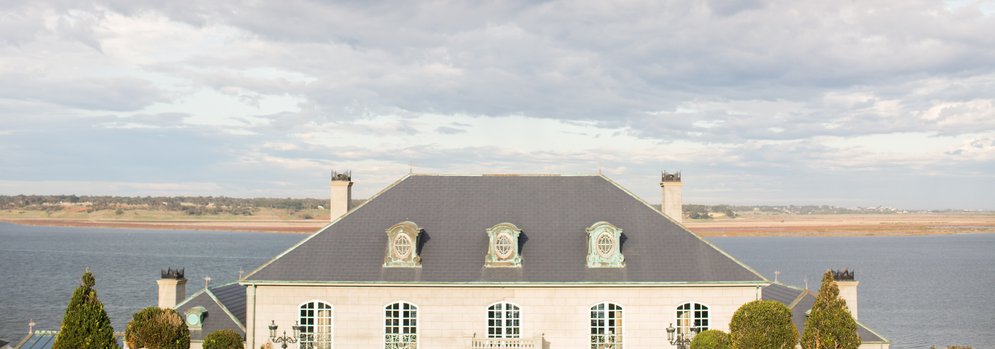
(448, 317)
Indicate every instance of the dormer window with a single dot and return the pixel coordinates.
(604, 247)
(402, 245)
(195, 317)
(502, 248)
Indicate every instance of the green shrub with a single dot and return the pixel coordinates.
(829, 324)
(224, 339)
(711, 339)
(85, 324)
(157, 328)
(762, 325)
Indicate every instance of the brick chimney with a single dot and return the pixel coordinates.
(341, 196)
(172, 288)
(673, 200)
(848, 289)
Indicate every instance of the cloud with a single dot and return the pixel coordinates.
(754, 100)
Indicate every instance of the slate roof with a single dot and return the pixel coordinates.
(552, 211)
(800, 301)
(46, 339)
(225, 306)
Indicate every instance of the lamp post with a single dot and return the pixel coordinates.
(283, 340)
(681, 340)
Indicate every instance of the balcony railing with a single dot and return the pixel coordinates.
(506, 343)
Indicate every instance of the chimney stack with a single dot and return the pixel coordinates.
(341, 198)
(172, 288)
(673, 200)
(848, 289)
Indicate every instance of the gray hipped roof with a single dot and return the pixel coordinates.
(552, 212)
(800, 301)
(225, 306)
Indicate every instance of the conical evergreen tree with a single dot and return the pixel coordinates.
(85, 324)
(830, 324)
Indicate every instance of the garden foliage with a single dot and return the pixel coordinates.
(762, 325)
(85, 324)
(711, 339)
(157, 328)
(829, 324)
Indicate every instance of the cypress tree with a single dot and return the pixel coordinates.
(85, 324)
(830, 324)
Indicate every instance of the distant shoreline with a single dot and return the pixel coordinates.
(277, 227)
(754, 225)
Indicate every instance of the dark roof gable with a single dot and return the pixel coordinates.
(551, 211)
(225, 306)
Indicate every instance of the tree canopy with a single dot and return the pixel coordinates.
(711, 339)
(762, 325)
(157, 328)
(85, 324)
(224, 339)
(830, 324)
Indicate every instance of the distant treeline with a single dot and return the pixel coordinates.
(707, 211)
(193, 205)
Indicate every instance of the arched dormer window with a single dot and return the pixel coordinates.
(502, 250)
(604, 246)
(402, 245)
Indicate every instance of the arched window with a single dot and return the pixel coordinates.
(606, 326)
(692, 318)
(401, 326)
(503, 321)
(316, 325)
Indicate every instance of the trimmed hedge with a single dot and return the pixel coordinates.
(224, 339)
(157, 328)
(763, 325)
(711, 339)
(85, 324)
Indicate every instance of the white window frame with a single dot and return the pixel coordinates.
(401, 325)
(683, 327)
(619, 339)
(502, 320)
(313, 325)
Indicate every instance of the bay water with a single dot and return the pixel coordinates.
(917, 291)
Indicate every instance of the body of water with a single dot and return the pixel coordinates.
(917, 291)
(40, 267)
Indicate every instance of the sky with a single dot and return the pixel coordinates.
(847, 103)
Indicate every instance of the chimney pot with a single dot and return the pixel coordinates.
(172, 287)
(341, 194)
(673, 199)
(847, 284)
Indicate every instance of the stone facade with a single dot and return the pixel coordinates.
(450, 316)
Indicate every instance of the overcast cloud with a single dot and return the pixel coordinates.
(757, 102)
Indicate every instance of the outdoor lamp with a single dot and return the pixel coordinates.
(272, 330)
(670, 332)
(284, 339)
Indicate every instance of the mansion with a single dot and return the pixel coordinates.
(491, 261)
